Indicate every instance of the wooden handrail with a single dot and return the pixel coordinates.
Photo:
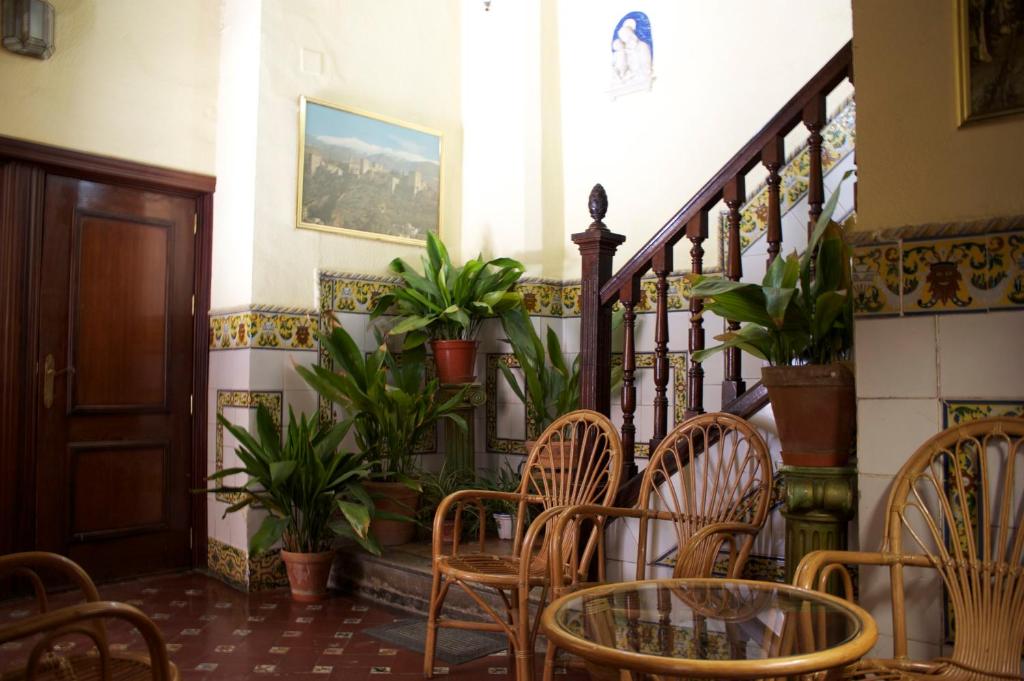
(838, 68)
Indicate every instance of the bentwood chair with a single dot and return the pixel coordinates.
(707, 488)
(956, 506)
(48, 626)
(577, 460)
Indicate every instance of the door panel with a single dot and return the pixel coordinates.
(116, 349)
(118, 488)
(120, 306)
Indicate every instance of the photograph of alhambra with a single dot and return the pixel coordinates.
(368, 176)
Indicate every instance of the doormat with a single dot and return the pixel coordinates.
(454, 646)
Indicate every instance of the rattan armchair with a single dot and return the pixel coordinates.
(85, 619)
(957, 505)
(577, 460)
(708, 483)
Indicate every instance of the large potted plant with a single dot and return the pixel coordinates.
(447, 303)
(392, 409)
(799, 319)
(311, 490)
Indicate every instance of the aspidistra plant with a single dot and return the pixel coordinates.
(447, 302)
(801, 312)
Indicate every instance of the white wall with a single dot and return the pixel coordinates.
(133, 79)
(394, 58)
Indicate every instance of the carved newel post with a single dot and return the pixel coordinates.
(819, 504)
(597, 248)
(459, 445)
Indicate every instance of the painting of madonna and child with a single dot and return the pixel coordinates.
(367, 176)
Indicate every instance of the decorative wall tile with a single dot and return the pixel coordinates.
(955, 412)
(505, 445)
(1006, 269)
(876, 279)
(266, 571)
(226, 561)
(542, 298)
(243, 570)
(341, 292)
(945, 275)
(263, 328)
(971, 272)
(245, 399)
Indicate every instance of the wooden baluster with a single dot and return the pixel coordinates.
(696, 232)
(734, 194)
(629, 296)
(597, 247)
(772, 156)
(814, 120)
(661, 263)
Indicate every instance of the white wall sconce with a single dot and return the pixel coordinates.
(28, 27)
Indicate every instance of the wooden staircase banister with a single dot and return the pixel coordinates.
(838, 68)
(601, 288)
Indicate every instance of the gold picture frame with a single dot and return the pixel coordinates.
(368, 176)
(979, 65)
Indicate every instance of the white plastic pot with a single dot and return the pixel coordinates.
(506, 525)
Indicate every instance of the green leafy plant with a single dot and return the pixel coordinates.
(448, 302)
(310, 489)
(802, 312)
(436, 486)
(551, 385)
(387, 400)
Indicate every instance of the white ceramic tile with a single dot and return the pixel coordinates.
(895, 357)
(644, 421)
(354, 324)
(511, 421)
(873, 492)
(620, 541)
(890, 430)
(238, 531)
(923, 604)
(569, 332)
(229, 370)
(712, 396)
(290, 378)
(301, 402)
(980, 355)
(266, 369)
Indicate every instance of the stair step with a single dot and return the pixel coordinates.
(401, 578)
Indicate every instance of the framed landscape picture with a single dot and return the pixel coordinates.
(990, 58)
(367, 176)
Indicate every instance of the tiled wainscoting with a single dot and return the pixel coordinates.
(938, 341)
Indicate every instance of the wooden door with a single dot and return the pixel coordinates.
(114, 366)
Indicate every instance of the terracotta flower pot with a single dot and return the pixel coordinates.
(393, 497)
(815, 409)
(307, 574)
(455, 359)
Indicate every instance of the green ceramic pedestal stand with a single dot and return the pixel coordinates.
(459, 445)
(819, 504)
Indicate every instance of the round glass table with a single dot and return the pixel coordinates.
(709, 628)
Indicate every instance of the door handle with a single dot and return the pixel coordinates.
(49, 373)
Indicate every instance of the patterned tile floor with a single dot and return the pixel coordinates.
(216, 632)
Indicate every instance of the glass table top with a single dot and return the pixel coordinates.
(708, 620)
